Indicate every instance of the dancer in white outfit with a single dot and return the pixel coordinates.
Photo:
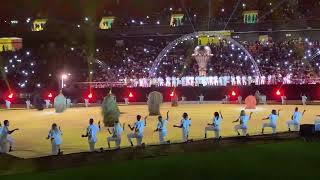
(91, 134)
(201, 98)
(55, 138)
(273, 117)
(138, 129)
(304, 99)
(215, 125)
(116, 134)
(8, 104)
(28, 104)
(162, 129)
(243, 118)
(185, 126)
(5, 137)
(283, 99)
(295, 119)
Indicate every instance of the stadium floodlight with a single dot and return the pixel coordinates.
(63, 77)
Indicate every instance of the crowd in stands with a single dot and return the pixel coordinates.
(129, 63)
(287, 62)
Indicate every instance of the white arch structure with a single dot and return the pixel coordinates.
(315, 55)
(163, 53)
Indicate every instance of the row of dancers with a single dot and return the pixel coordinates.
(55, 133)
(208, 80)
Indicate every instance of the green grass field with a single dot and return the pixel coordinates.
(287, 160)
(30, 140)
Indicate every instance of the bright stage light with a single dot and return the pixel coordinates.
(233, 93)
(172, 94)
(50, 95)
(278, 92)
(130, 95)
(10, 96)
(64, 76)
(90, 96)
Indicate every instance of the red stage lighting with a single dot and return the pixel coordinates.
(233, 93)
(50, 95)
(10, 96)
(172, 94)
(130, 95)
(90, 95)
(278, 92)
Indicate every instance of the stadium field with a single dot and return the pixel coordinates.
(30, 140)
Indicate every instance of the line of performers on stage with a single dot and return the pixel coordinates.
(55, 133)
(207, 80)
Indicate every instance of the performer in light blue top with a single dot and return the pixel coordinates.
(55, 137)
(91, 134)
(273, 117)
(215, 125)
(295, 119)
(243, 118)
(116, 134)
(185, 126)
(5, 138)
(162, 129)
(138, 129)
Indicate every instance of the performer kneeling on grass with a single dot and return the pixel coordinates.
(185, 126)
(5, 137)
(138, 128)
(215, 126)
(273, 117)
(162, 129)
(91, 133)
(55, 137)
(295, 119)
(243, 118)
(116, 134)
